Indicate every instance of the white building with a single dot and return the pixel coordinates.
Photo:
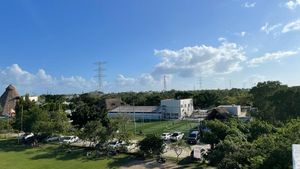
(296, 156)
(32, 98)
(176, 109)
(137, 112)
(234, 110)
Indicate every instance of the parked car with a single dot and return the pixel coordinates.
(176, 136)
(193, 137)
(53, 138)
(165, 136)
(116, 144)
(27, 136)
(70, 139)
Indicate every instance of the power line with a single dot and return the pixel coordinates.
(100, 74)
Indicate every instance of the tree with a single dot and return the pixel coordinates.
(258, 128)
(59, 122)
(206, 99)
(216, 132)
(120, 123)
(178, 148)
(95, 132)
(151, 145)
(262, 93)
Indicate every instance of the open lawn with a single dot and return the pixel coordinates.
(14, 156)
(159, 127)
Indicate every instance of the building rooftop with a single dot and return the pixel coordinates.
(126, 109)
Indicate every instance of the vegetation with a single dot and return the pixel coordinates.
(178, 148)
(151, 145)
(15, 156)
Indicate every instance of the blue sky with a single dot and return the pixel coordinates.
(51, 46)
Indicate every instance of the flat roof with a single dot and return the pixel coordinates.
(128, 109)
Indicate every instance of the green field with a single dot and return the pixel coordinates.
(14, 156)
(160, 127)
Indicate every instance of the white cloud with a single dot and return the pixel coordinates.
(143, 82)
(41, 82)
(249, 5)
(125, 81)
(292, 26)
(292, 4)
(271, 56)
(200, 60)
(269, 28)
(243, 34)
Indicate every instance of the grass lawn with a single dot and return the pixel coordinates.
(159, 127)
(14, 156)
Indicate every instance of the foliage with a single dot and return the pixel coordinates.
(151, 145)
(254, 145)
(178, 148)
(206, 99)
(95, 132)
(88, 107)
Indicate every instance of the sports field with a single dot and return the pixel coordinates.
(159, 127)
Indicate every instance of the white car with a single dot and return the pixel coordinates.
(165, 136)
(53, 138)
(116, 144)
(70, 139)
(176, 136)
(27, 136)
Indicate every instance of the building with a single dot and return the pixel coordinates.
(32, 98)
(296, 156)
(8, 101)
(113, 103)
(137, 112)
(177, 109)
(234, 110)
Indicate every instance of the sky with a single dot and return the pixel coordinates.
(52, 46)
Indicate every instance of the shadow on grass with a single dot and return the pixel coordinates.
(191, 163)
(12, 145)
(61, 153)
(125, 161)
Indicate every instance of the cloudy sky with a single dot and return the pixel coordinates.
(51, 46)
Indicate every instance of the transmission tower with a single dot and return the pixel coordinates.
(200, 83)
(165, 83)
(100, 74)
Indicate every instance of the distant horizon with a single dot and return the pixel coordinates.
(145, 91)
(52, 46)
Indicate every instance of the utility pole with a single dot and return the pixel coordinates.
(229, 84)
(134, 116)
(99, 74)
(22, 118)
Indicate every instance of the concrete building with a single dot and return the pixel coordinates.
(234, 110)
(137, 112)
(176, 109)
(296, 156)
(33, 98)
